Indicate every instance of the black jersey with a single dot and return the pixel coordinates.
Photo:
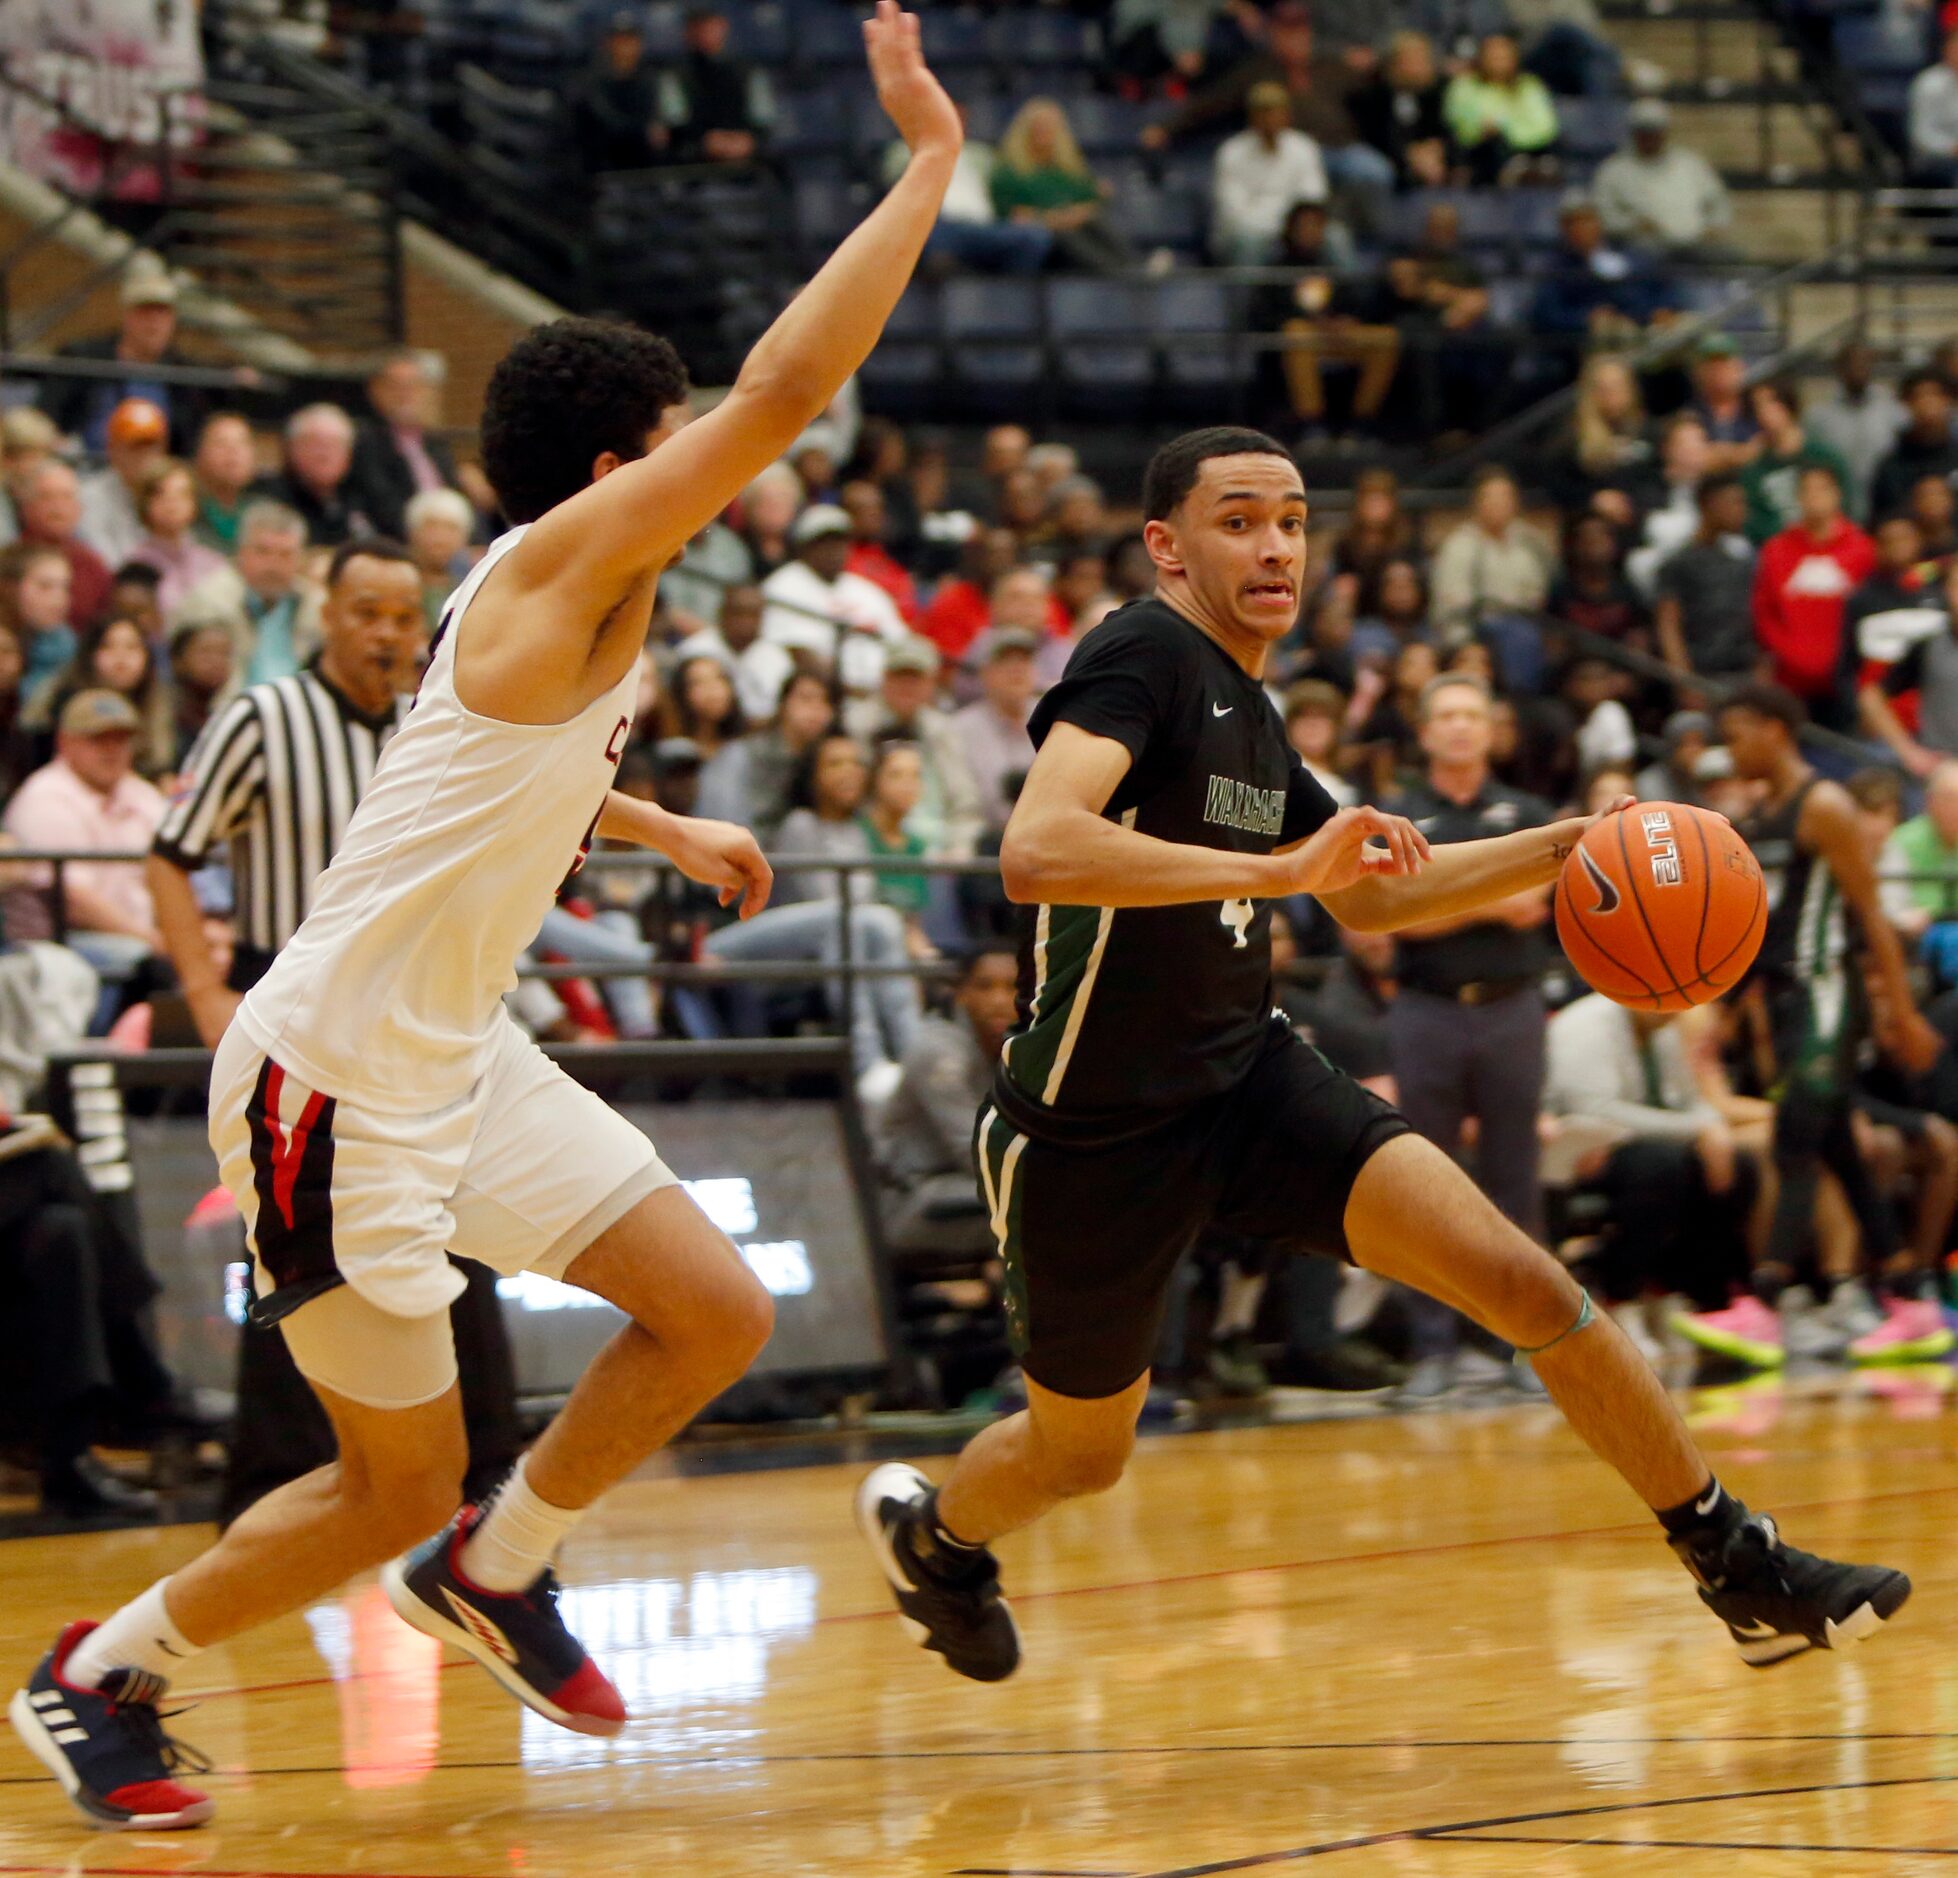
(1126, 1013)
(1808, 926)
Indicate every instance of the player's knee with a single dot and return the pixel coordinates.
(1075, 1473)
(727, 1324)
(1519, 1291)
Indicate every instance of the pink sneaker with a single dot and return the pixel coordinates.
(1913, 1331)
(1746, 1330)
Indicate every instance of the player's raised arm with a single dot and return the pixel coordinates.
(634, 520)
(1059, 847)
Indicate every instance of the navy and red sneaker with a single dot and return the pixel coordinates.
(107, 1746)
(517, 1636)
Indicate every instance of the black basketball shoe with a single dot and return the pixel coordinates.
(107, 1746)
(948, 1604)
(1777, 1602)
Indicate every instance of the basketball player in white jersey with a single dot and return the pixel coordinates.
(372, 1105)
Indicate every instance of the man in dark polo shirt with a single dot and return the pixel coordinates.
(1467, 1028)
(1705, 612)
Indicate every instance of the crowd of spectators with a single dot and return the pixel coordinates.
(847, 659)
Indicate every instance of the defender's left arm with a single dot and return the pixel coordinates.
(717, 854)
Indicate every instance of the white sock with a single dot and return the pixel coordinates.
(139, 1636)
(518, 1537)
(1238, 1298)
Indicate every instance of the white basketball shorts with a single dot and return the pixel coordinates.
(521, 1175)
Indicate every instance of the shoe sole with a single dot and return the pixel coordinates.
(881, 1484)
(1922, 1350)
(419, 1615)
(39, 1741)
(1858, 1627)
(1741, 1349)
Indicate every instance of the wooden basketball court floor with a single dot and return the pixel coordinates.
(1441, 1643)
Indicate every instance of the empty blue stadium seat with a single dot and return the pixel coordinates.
(917, 315)
(1591, 127)
(1113, 125)
(809, 121)
(759, 31)
(1104, 308)
(1040, 37)
(827, 35)
(1880, 44)
(992, 309)
(826, 209)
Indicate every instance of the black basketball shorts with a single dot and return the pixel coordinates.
(1091, 1235)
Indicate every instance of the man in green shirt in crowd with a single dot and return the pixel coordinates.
(1787, 449)
(1919, 869)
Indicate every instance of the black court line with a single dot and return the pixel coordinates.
(1288, 1855)
(660, 1758)
(1694, 1845)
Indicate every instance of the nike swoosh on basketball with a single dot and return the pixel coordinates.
(1607, 889)
(1222, 710)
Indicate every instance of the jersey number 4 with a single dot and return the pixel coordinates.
(1237, 915)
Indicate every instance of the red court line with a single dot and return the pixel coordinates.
(1446, 1547)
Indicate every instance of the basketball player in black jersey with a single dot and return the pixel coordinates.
(1151, 1090)
(1822, 910)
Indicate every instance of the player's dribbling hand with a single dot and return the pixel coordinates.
(912, 98)
(1342, 853)
(723, 855)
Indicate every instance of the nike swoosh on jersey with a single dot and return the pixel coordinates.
(1222, 710)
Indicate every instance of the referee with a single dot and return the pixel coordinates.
(277, 775)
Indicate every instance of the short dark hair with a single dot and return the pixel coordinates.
(1713, 485)
(565, 393)
(1174, 469)
(1923, 375)
(1877, 790)
(1813, 468)
(1775, 702)
(368, 548)
(137, 574)
(974, 955)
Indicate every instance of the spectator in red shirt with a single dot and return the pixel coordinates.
(1801, 584)
(49, 501)
(863, 502)
(962, 609)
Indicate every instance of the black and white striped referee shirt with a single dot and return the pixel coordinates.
(277, 773)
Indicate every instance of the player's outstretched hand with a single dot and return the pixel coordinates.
(1342, 852)
(723, 855)
(913, 99)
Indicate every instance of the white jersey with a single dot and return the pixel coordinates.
(390, 993)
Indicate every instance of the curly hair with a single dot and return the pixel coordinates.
(565, 393)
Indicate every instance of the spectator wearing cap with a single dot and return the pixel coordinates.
(1687, 736)
(1801, 585)
(948, 815)
(1931, 118)
(1719, 401)
(759, 666)
(315, 481)
(814, 603)
(715, 108)
(145, 339)
(166, 504)
(49, 502)
(993, 727)
(1786, 450)
(90, 800)
(1923, 448)
(1593, 293)
(397, 455)
(226, 461)
(1502, 118)
(615, 106)
(1258, 175)
(1861, 421)
(262, 600)
(138, 437)
(1658, 194)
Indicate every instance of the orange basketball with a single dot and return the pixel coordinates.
(1662, 906)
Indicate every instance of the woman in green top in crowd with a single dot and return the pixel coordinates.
(897, 785)
(1041, 176)
(1502, 118)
